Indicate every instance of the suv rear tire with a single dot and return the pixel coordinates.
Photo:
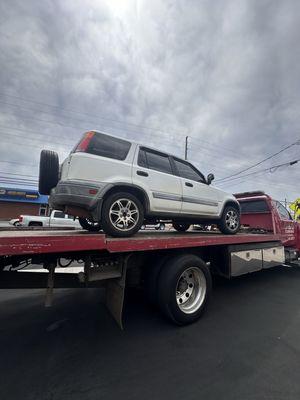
(49, 171)
(122, 214)
(230, 221)
(90, 225)
(181, 227)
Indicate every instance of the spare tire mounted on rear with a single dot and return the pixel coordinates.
(49, 171)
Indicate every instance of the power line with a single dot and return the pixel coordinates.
(29, 176)
(80, 112)
(274, 168)
(136, 125)
(262, 161)
(39, 133)
(17, 162)
(72, 126)
(35, 139)
(97, 117)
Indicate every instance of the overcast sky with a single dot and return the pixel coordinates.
(225, 73)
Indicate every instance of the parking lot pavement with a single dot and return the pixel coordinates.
(246, 346)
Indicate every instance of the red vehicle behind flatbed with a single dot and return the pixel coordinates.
(174, 269)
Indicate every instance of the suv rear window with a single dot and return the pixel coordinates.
(255, 206)
(108, 146)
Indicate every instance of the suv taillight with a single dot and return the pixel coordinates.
(85, 141)
(20, 218)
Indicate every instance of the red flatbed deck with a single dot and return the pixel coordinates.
(43, 242)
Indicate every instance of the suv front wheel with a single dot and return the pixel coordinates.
(122, 214)
(230, 221)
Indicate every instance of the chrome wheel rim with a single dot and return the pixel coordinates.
(124, 214)
(231, 220)
(191, 290)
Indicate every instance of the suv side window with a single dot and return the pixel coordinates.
(187, 171)
(142, 160)
(155, 160)
(108, 146)
(283, 212)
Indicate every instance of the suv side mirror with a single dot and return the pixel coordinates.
(210, 178)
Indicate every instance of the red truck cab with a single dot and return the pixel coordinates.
(260, 212)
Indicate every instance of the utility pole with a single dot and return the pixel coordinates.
(186, 147)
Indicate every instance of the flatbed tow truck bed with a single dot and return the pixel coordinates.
(142, 260)
(17, 243)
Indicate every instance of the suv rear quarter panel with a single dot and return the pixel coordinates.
(94, 168)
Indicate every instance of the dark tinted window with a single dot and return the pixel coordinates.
(158, 162)
(186, 171)
(142, 161)
(59, 214)
(107, 146)
(255, 206)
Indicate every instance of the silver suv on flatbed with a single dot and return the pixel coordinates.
(118, 185)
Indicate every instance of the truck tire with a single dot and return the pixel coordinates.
(122, 214)
(152, 271)
(181, 227)
(184, 287)
(230, 221)
(89, 225)
(35, 223)
(49, 171)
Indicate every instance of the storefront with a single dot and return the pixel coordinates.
(15, 201)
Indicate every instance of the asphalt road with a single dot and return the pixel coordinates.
(246, 346)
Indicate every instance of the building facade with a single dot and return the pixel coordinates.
(16, 201)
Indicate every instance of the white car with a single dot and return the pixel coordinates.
(14, 222)
(117, 185)
(57, 219)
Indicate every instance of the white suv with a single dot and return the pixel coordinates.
(117, 185)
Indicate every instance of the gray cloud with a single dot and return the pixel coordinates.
(225, 73)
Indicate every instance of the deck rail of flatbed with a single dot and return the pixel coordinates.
(43, 242)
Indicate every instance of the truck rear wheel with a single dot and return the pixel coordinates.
(35, 223)
(184, 286)
(49, 171)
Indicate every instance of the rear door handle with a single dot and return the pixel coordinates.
(189, 184)
(142, 173)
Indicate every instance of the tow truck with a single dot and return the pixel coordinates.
(174, 269)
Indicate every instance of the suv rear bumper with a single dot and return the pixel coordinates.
(82, 194)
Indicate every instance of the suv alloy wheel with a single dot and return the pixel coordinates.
(122, 214)
(230, 220)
